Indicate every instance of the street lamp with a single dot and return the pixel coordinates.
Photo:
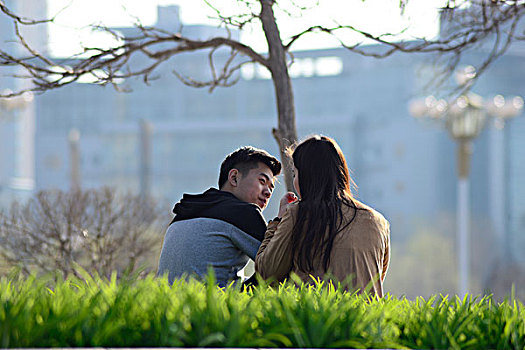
(73, 139)
(18, 109)
(146, 132)
(502, 109)
(17, 102)
(464, 118)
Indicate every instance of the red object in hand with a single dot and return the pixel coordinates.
(291, 198)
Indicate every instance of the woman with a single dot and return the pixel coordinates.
(327, 233)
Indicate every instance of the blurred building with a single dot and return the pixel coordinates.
(403, 167)
(17, 116)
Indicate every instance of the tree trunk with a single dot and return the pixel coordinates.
(286, 132)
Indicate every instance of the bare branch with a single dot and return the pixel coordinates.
(223, 80)
(29, 48)
(482, 23)
(20, 19)
(238, 21)
(113, 62)
(299, 8)
(470, 28)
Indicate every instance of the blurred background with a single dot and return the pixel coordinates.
(164, 139)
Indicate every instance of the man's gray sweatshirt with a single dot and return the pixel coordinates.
(211, 230)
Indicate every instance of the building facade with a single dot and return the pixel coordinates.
(404, 167)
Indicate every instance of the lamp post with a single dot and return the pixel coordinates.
(9, 105)
(18, 109)
(501, 109)
(17, 102)
(73, 139)
(464, 118)
(146, 132)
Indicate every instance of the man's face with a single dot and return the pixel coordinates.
(256, 186)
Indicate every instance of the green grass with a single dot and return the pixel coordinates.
(148, 312)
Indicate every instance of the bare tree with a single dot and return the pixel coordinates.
(96, 230)
(470, 23)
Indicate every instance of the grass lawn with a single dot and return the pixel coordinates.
(148, 312)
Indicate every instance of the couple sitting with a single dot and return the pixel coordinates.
(326, 232)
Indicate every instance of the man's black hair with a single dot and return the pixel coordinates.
(246, 158)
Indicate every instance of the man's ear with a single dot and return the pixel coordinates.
(233, 177)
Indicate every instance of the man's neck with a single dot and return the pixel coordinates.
(227, 189)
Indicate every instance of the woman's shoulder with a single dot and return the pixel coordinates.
(292, 209)
(366, 211)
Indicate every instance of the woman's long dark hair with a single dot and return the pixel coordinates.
(324, 182)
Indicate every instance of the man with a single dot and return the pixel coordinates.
(223, 228)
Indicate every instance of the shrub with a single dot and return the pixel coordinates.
(95, 229)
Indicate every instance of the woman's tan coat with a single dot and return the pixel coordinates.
(359, 257)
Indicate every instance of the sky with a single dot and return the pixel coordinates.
(377, 16)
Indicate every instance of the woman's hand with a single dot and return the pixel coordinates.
(287, 199)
